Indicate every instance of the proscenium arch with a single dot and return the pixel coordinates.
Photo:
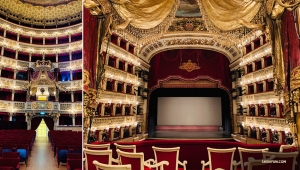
(187, 41)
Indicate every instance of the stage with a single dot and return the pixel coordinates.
(191, 135)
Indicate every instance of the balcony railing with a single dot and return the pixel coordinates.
(267, 123)
(12, 84)
(23, 65)
(21, 107)
(112, 122)
(40, 49)
(35, 32)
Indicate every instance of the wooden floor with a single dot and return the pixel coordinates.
(42, 157)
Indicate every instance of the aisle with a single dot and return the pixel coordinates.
(42, 157)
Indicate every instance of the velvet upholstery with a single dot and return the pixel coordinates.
(221, 160)
(10, 162)
(190, 148)
(171, 157)
(10, 155)
(23, 154)
(134, 162)
(74, 164)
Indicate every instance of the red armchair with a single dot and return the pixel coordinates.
(219, 159)
(171, 155)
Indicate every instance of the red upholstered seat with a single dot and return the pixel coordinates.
(245, 154)
(102, 156)
(97, 146)
(219, 158)
(136, 160)
(10, 162)
(10, 155)
(126, 148)
(6, 168)
(171, 155)
(288, 158)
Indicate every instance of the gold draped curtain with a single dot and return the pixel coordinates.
(145, 14)
(224, 14)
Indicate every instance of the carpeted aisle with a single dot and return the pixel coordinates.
(42, 157)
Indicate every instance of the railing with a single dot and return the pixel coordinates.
(267, 123)
(23, 65)
(21, 107)
(74, 85)
(115, 97)
(40, 49)
(13, 84)
(35, 32)
(112, 122)
(6, 83)
(120, 75)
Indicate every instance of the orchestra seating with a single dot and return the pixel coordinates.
(193, 151)
(65, 142)
(17, 141)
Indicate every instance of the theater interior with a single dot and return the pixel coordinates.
(40, 83)
(191, 84)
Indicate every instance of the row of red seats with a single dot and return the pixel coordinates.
(67, 149)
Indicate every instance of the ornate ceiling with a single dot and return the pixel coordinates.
(28, 9)
(46, 2)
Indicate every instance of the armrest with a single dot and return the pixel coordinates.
(83, 160)
(150, 161)
(183, 164)
(159, 164)
(257, 161)
(115, 160)
(237, 163)
(204, 164)
(219, 169)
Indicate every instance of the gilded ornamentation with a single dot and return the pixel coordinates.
(19, 105)
(187, 24)
(295, 78)
(189, 66)
(5, 105)
(49, 105)
(86, 78)
(189, 41)
(77, 107)
(98, 122)
(65, 107)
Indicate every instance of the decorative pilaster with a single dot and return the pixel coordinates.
(71, 75)
(17, 53)
(12, 95)
(123, 109)
(2, 50)
(113, 113)
(72, 96)
(15, 73)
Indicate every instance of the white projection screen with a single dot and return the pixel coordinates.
(196, 111)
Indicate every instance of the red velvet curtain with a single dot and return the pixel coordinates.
(35, 122)
(90, 24)
(212, 64)
(290, 43)
(49, 122)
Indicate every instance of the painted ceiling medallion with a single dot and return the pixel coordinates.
(189, 66)
(46, 3)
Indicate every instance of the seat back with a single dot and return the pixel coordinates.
(10, 162)
(287, 148)
(126, 148)
(102, 156)
(136, 160)
(167, 154)
(287, 160)
(22, 154)
(10, 155)
(220, 158)
(6, 168)
(74, 156)
(100, 166)
(97, 147)
(74, 164)
(245, 154)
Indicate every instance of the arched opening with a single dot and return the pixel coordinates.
(42, 129)
(196, 93)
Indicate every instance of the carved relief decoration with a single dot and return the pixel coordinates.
(187, 24)
(189, 66)
(98, 122)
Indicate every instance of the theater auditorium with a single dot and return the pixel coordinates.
(40, 84)
(191, 84)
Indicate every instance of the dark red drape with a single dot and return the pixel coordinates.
(49, 122)
(35, 122)
(290, 43)
(90, 45)
(213, 64)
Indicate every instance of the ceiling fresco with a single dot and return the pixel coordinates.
(188, 8)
